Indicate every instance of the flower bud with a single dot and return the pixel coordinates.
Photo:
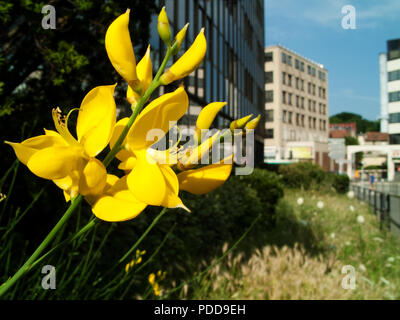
(252, 124)
(206, 117)
(239, 123)
(176, 46)
(189, 61)
(163, 27)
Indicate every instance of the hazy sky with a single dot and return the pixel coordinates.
(313, 28)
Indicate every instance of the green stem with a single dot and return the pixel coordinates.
(28, 264)
(221, 257)
(136, 110)
(143, 235)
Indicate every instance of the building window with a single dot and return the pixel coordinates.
(302, 66)
(269, 133)
(301, 84)
(248, 31)
(297, 101)
(309, 69)
(313, 89)
(309, 104)
(309, 88)
(302, 120)
(302, 103)
(315, 123)
(297, 119)
(319, 92)
(283, 77)
(269, 115)
(394, 75)
(284, 112)
(248, 85)
(283, 57)
(310, 122)
(289, 99)
(394, 96)
(323, 93)
(290, 117)
(313, 71)
(289, 80)
(269, 77)
(297, 64)
(297, 83)
(268, 56)
(269, 96)
(289, 60)
(394, 117)
(283, 96)
(314, 106)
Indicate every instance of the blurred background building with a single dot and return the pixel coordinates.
(296, 109)
(233, 69)
(389, 64)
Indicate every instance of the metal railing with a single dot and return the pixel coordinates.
(385, 202)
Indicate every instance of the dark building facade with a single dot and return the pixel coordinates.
(233, 69)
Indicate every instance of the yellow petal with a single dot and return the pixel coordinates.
(128, 164)
(176, 46)
(145, 75)
(163, 27)
(171, 199)
(163, 156)
(205, 179)
(96, 119)
(239, 123)
(93, 178)
(208, 113)
(119, 127)
(118, 204)
(189, 61)
(170, 107)
(119, 49)
(70, 184)
(27, 148)
(55, 162)
(252, 124)
(146, 180)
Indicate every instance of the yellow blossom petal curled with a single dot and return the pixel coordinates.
(120, 51)
(145, 74)
(239, 123)
(206, 117)
(189, 61)
(205, 179)
(158, 115)
(252, 124)
(119, 127)
(118, 203)
(94, 176)
(163, 27)
(176, 47)
(96, 119)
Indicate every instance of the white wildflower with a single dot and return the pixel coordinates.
(351, 208)
(300, 201)
(320, 204)
(360, 219)
(350, 194)
(362, 267)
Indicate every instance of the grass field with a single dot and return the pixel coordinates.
(315, 236)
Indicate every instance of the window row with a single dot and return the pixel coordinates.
(300, 119)
(394, 96)
(299, 65)
(394, 117)
(394, 75)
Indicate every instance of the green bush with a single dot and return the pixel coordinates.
(341, 183)
(304, 175)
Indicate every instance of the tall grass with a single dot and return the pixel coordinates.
(303, 257)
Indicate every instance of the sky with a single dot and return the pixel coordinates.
(313, 29)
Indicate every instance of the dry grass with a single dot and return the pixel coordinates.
(295, 272)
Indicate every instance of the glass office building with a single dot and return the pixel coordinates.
(233, 69)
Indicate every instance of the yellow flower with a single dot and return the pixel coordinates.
(147, 182)
(145, 74)
(163, 27)
(120, 51)
(206, 117)
(71, 162)
(152, 278)
(252, 124)
(189, 61)
(240, 123)
(176, 46)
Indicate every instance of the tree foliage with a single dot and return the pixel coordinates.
(363, 125)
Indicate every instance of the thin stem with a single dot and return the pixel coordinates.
(220, 258)
(28, 264)
(136, 110)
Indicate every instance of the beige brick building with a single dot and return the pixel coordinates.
(296, 109)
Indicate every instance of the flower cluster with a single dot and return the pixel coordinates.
(151, 177)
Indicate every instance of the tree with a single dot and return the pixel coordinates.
(363, 125)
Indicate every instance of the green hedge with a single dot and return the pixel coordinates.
(308, 175)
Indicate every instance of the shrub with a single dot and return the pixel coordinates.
(341, 183)
(302, 175)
